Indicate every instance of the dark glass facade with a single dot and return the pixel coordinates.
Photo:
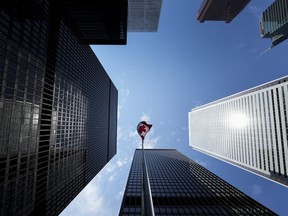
(180, 186)
(274, 22)
(219, 10)
(144, 15)
(58, 109)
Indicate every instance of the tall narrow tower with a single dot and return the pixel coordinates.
(247, 129)
(179, 186)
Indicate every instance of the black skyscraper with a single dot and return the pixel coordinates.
(58, 107)
(180, 186)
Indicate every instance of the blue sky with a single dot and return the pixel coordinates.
(161, 76)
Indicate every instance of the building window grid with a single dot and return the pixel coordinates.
(257, 132)
(266, 138)
(249, 152)
(244, 134)
(268, 125)
(236, 134)
(263, 152)
(285, 137)
(274, 93)
(239, 132)
(284, 129)
(225, 144)
(272, 132)
(280, 123)
(242, 200)
(254, 142)
(231, 134)
(33, 70)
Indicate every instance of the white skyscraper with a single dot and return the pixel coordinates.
(248, 129)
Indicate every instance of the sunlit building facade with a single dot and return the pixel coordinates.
(247, 129)
(179, 186)
(274, 22)
(58, 106)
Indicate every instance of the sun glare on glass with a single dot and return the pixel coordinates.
(238, 120)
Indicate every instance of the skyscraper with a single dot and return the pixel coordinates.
(143, 16)
(247, 129)
(58, 106)
(274, 22)
(219, 10)
(179, 186)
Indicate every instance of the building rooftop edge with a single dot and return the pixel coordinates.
(247, 91)
(156, 149)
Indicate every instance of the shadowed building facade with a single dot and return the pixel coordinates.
(143, 15)
(220, 10)
(58, 106)
(274, 22)
(247, 129)
(179, 186)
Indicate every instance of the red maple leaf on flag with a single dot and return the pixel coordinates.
(142, 129)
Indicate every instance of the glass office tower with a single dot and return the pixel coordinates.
(179, 186)
(247, 129)
(58, 106)
(219, 10)
(274, 22)
(143, 15)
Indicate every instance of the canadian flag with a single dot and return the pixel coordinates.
(143, 128)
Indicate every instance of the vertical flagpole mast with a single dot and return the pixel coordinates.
(142, 181)
(147, 202)
(147, 208)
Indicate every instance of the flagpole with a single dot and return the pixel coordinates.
(147, 202)
(142, 191)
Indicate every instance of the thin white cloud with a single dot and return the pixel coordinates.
(257, 190)
(240, 45)
(133, 134)
(89, 202)
(173, 133)
(256, 11)
(112, 177)
(151, 143)
(119, 133)
(120, 193)
(119, 107)
(123, 95)
(145, 117)
(202, 163)
(120, 163)
(195, 103)
(93, 199)
(125, 92)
